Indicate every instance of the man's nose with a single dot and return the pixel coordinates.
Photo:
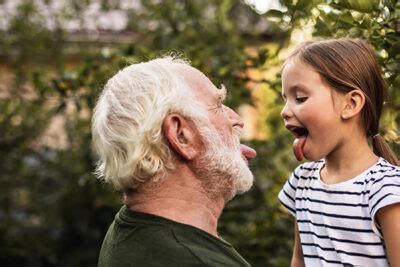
(235, 119)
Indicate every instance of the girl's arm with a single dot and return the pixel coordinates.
(297, 258)
(389, 220)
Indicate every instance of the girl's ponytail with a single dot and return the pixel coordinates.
(382, 149)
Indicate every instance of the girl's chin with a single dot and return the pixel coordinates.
(309, 156)
(312, 154)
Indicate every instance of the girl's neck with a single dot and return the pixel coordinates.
(352, 158)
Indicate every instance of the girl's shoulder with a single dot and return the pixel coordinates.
(381, 173)
(384, 164)
(383, 167)
(382, 185)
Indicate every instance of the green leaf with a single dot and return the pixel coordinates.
(362, 5)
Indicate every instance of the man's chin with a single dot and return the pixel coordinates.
(228, 168)
(242, 183)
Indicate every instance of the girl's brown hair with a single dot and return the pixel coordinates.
(350, 64)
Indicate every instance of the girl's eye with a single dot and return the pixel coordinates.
(301, 99)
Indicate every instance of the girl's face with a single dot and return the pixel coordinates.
(311, 111)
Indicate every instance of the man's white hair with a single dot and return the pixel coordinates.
(127, 121)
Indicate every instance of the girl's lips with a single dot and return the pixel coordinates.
(247, 152)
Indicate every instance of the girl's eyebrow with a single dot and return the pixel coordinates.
(294, 89)
(297, 87)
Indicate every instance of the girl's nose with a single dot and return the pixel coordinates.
(286, 112)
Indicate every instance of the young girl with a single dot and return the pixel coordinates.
(346, 199)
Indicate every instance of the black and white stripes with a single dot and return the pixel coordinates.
(337, 222)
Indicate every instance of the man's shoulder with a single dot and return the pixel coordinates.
(143, 245)
(211, 250)
(162, 244)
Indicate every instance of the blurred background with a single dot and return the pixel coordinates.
(55, 57)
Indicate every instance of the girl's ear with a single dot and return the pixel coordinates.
(182, 135)
(354, 102)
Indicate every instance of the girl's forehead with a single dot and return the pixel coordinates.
(299, 74)
(299, 78)
(297, 64)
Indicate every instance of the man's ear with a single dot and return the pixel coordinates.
(182, 135)
(354, 102)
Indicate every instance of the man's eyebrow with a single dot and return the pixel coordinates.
(222, 93)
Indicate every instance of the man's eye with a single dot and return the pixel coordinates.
(301, 99)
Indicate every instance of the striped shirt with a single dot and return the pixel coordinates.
(337, 223)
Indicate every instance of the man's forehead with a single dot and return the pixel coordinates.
(191, 73)
(199, 84)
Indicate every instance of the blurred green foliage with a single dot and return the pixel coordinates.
(53, 212)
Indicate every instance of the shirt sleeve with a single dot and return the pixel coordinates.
(384, 191)
(287, 196)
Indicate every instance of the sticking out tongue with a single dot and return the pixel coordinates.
(298, 146)
(247, 152)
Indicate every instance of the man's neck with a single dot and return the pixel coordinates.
(181, 199)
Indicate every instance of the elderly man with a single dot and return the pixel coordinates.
(165, 138)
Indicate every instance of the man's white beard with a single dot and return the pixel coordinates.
(222, 168)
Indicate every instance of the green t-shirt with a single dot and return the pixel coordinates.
(142, 239)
